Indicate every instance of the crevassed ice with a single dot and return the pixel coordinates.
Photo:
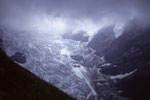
(50, 60)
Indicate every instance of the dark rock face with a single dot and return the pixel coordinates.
(137, 86)
(17, 83)
(131, 42)
(81, 36)
(129, 52)
(102, 40)
(1, 38)
(19, 57)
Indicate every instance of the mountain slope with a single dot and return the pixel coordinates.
(17, 83)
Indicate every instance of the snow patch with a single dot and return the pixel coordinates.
(121, 76)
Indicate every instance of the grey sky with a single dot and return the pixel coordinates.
(20, 12)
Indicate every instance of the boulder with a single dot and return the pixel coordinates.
(19, 57)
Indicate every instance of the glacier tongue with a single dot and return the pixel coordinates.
(49, 59)
(64, 63)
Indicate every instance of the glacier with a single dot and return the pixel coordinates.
(56, 60)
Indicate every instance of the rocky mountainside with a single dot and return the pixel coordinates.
(102, 40)
(136, 86)
(106, 67)
(128, 53)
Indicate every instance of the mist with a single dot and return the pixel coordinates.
(67, 42)
(71, 16)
